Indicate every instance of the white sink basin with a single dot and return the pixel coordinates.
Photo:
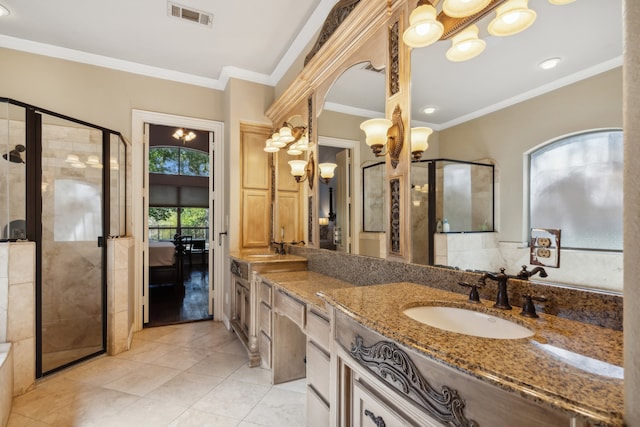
(468, 322)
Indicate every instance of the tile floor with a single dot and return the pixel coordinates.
(194, 374)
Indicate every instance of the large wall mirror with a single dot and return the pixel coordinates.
(356, 95)
(502, 104)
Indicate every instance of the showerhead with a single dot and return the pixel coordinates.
(14, 155)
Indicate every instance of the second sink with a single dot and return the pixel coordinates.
(468, 322)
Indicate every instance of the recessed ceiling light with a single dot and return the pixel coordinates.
(548, 64)
(430, 109)
(4, 11)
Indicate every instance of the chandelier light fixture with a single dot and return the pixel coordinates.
(184, 136)
(456, 20)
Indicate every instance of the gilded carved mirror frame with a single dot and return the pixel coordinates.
(369, 31)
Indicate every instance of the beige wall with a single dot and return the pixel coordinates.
(506, 135)
(101, 96)
(631, 209)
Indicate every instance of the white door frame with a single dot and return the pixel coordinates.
(356, 185)
(140, 194)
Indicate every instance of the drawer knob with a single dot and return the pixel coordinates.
(378, 421)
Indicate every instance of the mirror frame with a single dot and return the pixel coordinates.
(371, 31)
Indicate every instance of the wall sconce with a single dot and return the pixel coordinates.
(184, 136)
(323, 221)
(326, 171)
(456, 20)
(303, 171)
(288, 136)
(381, 132)
(419, 141)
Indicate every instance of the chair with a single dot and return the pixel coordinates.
(199, 246)
(185, 246)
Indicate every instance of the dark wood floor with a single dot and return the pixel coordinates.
(168, 304)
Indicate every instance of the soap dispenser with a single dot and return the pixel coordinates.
(439, 226)
(445, 226)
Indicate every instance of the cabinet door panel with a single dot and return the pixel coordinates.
(265, 319)
(317, 410)
(255, 214)
(317, 370)
(255, 162)
(318, 330)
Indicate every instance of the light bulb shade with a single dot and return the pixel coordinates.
(72, 158)
(376, 131)
(511, 18)
(326, 170)
(270, 147)
(303, 143)
(323, 221)
(424, 29)
(285, 135)
(466, 45)
(463, 8)
(294, 150)
(420, 138)
(276, 142)
(561, 2)
(179, 133)
(93, 160)
(298, 167)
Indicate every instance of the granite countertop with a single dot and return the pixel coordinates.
(305, 285)
(566, 365)
(263, 257)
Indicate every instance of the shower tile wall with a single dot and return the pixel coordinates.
(12, 176)
(71, 271)
(420, 215)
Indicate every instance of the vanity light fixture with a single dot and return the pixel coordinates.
(381, 132)
(291, 137)
(304, 171)
(326, 171)
(454, 19)
(419, 141)
(183, 135)
(465, 45)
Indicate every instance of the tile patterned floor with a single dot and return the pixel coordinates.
(194, 374)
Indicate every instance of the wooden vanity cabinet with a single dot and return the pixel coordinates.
(377, 377)
(318, 367)
(251, 309)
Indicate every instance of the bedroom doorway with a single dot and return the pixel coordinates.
(181, 230)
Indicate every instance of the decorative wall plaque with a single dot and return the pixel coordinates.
(338, 14)
(394, 59)
(394, 185)
(395, 367)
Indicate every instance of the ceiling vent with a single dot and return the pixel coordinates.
(189, 14)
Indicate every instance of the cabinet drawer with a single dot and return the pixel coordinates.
(318, 330)
(290, 307)
(318, 370)
(265, 318)
(317, 410)
(265, 293)
(369, 410)
(264, 346)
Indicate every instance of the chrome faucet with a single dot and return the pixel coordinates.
(502, 300)
(524, 274)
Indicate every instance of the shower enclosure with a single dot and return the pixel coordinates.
(63, 184)
(462, 193)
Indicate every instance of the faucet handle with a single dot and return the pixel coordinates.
(528, 309)
(473, 294)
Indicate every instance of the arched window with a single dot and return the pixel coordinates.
(575, 185)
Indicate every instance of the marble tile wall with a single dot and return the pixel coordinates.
(119, 317)
(21, 331)
(588, 306)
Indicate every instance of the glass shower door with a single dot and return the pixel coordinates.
(72, 279)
